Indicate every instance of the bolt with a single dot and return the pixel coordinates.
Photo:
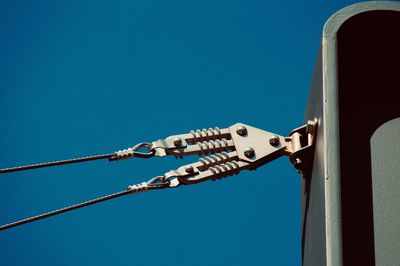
(178, 142)
(298, 164)
(189, 169)
(249, 152)
(310, 127)
(274, 140)
(241, 131)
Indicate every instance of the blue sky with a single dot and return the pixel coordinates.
(90, 77)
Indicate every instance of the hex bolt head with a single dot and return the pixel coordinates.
(249, 152)
(241, 131)
(274, 140)
(189, 169)
(178, 142)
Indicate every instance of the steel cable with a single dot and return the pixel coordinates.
(66, 209)
(54, 163)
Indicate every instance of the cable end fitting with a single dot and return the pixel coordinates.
(122, 154)
(138, 188)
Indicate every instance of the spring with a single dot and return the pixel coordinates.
(213, 146)
(212, 160)
(205, 135)
(224, 170)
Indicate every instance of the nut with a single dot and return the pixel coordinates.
(178, 142)
(274, 140)
(189, 169)
(241, 131)
(249, 152)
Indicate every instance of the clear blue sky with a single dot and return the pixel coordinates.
(91, 77)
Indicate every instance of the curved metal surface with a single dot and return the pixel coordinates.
(322, 191)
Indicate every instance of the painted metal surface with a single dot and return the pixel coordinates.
(385, 158)
(322, 192)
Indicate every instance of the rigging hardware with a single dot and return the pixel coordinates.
(229, 150)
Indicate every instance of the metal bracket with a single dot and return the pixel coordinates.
(302, 145)
(257, 146)
(251, 148)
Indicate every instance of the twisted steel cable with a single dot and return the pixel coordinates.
(119, 155)
(153, 184)
(66, 209)
(54, 163)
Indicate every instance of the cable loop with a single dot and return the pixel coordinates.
(134, 152)
(158, 182)
(150, 150)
